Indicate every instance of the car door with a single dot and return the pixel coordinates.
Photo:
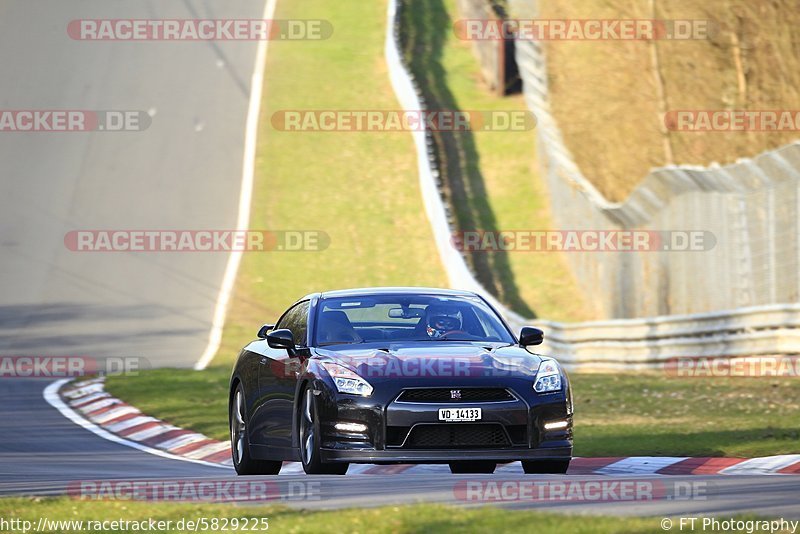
(277, 380)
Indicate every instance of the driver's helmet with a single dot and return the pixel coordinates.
(442, 319)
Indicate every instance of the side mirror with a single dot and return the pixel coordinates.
(281, 339)
(530, 336)
(264, 330)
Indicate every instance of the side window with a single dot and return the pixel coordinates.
(284, 320)
(296, 320)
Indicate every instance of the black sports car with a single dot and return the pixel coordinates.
(397, 375)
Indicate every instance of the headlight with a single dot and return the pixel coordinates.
(548, 377)
(347, 381)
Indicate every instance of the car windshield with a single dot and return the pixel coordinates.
(390, 318)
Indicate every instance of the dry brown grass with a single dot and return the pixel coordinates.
(605, 93)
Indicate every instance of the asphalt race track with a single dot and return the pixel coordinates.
(183, 172)
(42, 451)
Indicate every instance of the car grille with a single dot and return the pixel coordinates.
(446, 395)
(457, 436)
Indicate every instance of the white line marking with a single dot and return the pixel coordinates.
(354, 469)
(85, 390)
(180, 441)
(97, 405)
(769, 464)
(640, 465)
(208, 450)
(88, 399)
(513, 467)
(292, 468)
(132, 422)
(113, 414)
(245, 196)
(51, 396)
(151, 432)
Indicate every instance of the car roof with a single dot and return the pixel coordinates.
(367, 291)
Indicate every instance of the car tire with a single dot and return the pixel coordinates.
(240, 441)
(473, 467)
(310, 439)
(545, 467)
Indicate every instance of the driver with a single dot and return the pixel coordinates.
(442, 320)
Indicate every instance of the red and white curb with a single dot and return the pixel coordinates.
(87, 404)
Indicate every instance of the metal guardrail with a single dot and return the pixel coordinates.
(650, 342)
(752, 207)
(742, 320)
(618, 343)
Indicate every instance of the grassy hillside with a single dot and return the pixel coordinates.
(491, 178)
(380, 236)
(359, 187)
(606, 95)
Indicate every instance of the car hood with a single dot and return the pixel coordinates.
(435, 360)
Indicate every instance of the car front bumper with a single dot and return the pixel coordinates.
(417, 456)
(390, 425)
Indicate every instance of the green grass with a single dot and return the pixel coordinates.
(615, 415)
(361, 188)
(188, 399)
(492, 179)
(619, 415)
(395, 519)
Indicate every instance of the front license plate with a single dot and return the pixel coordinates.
(459, 414)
